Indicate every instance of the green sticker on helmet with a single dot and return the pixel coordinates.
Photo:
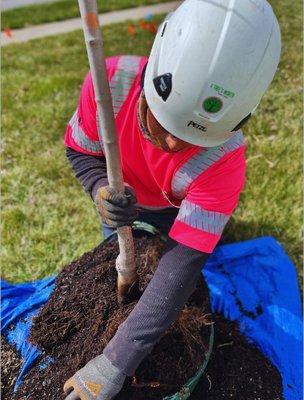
(212, 104)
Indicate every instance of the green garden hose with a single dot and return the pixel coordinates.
(188, 388)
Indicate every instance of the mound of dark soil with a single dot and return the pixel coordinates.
(82, 315)
(237, 370)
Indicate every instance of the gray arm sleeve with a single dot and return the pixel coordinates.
(172, 284)
(91, 171)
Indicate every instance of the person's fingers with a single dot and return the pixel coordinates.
(118, 211)
(118, 219)
(130, 193)
(68, 386)
(120, 199)
(105, 192)
(118, 224)
(72, 396)
(69, 389)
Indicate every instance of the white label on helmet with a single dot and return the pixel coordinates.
(197, 126)
(222, 91)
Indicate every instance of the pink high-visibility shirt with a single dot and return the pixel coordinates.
(205, 183)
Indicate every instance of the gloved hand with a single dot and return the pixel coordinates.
(99, 379)
(116, 209)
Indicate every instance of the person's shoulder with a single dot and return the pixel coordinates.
(127, 63)
(227, 156)
(231, 152)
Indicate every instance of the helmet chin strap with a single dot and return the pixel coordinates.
(142, 114)
(142, 109)
(152, 130)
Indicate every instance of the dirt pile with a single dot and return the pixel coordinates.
(82, 315)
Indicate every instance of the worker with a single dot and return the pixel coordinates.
(178, 116)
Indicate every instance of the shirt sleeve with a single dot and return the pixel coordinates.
(81, 133)
(91, 171)
(209, 203)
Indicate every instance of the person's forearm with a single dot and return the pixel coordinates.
(91, 171)
(172, 284)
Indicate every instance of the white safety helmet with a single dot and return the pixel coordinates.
(210, 64)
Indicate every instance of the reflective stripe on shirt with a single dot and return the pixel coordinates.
(195, 216)
(80, 138)
(123, 79)
(200, 162)
(120, 85)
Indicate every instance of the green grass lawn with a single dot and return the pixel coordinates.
(61, 10)
(48, 220)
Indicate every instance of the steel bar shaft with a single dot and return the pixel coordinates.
(125, 263)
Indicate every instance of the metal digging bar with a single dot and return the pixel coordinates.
(125, 263)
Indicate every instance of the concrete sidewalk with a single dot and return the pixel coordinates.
(55, 28)
(10, 4)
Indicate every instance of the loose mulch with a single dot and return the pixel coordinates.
(82, 315)
(10, 365)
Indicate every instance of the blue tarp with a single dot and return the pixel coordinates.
(252, 282)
